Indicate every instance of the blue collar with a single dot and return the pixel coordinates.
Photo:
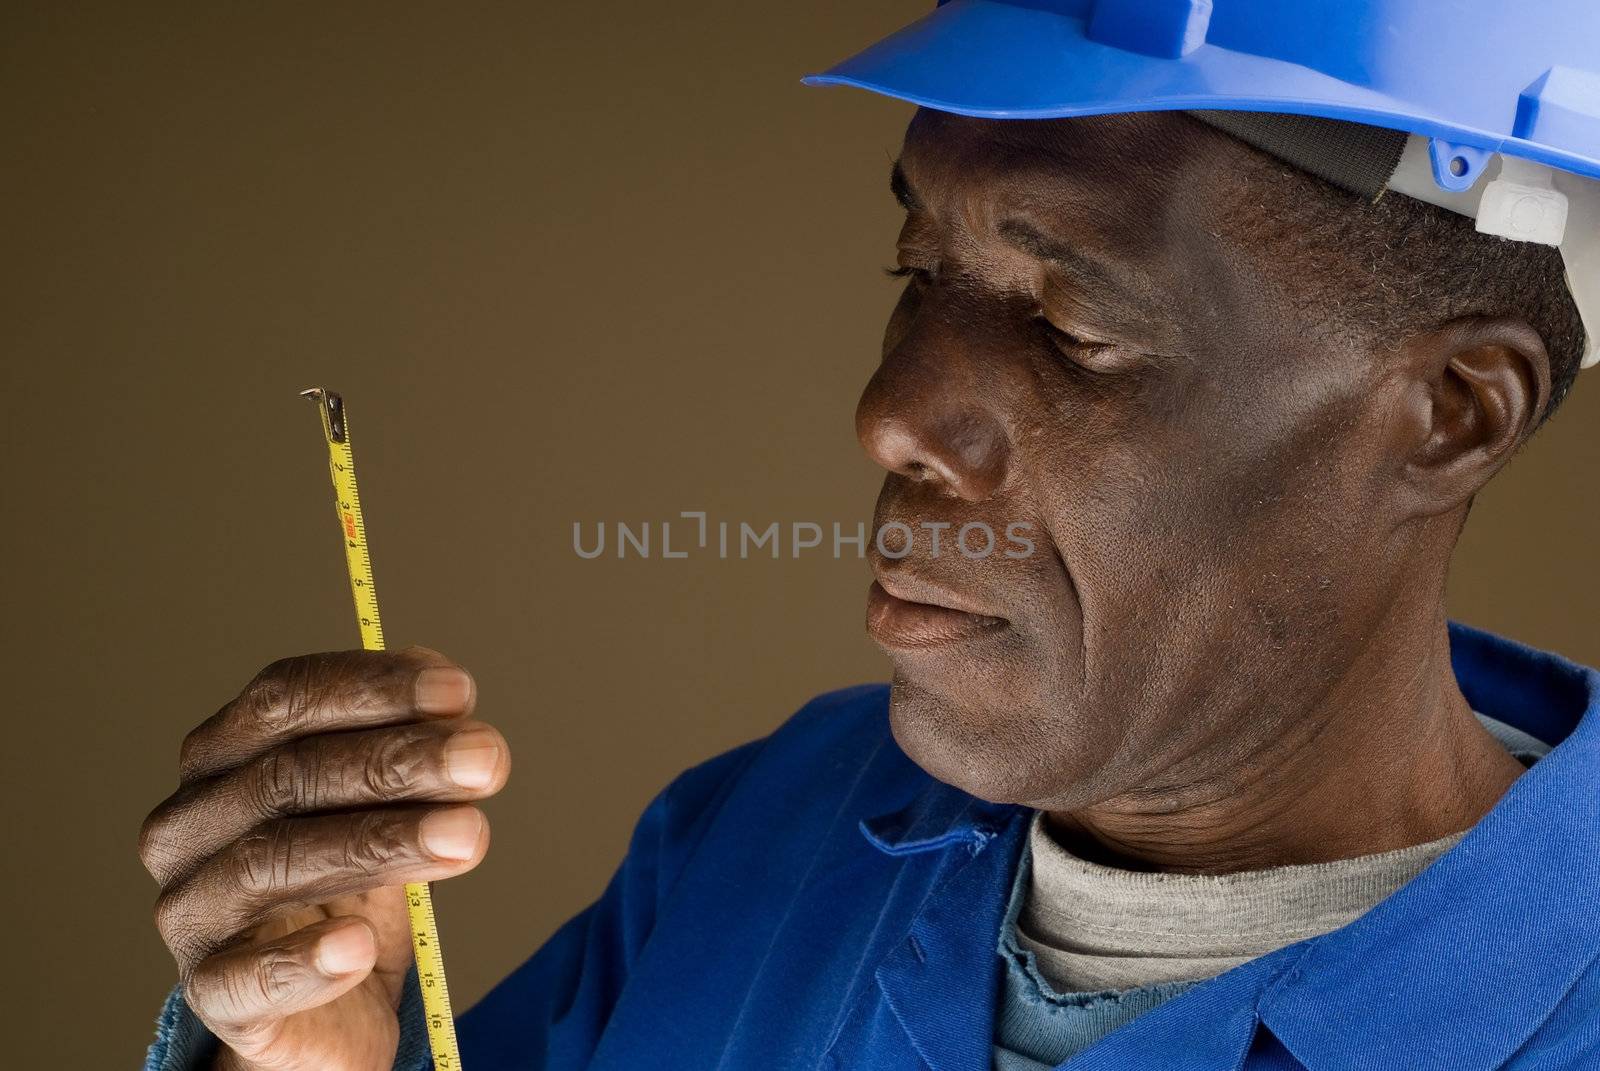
(1486, 941)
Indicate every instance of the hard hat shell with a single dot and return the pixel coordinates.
(1520, 77)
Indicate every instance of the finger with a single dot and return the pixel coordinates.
(297, 861)
(323, 693)
(441, 761)
(245, 993)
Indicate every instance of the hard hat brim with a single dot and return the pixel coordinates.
(1008, 61)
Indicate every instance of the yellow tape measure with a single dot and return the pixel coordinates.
(419, 903)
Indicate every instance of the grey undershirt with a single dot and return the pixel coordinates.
(1092, 928)
(1088, 947)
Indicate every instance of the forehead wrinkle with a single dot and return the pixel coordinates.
(1066, 256)
(1076, 181)
(1112, 190)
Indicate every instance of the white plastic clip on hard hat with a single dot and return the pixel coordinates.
(1580, 249)
(1526, 202)
(1523, 205)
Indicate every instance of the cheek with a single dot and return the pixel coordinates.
(1192, 551)
(1170, 504)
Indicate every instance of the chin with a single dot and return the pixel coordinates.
(1022, 751)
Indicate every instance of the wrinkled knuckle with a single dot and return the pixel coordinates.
(276, 977)
(280, 782)
(392, 766)
(200, 993)
(274, 698)
(153, 850)
(268, 786)
(374, 845)
(190, 751)
(166, 915)
(175, 923)
(258, 863)
(371, 684)
(384, 780)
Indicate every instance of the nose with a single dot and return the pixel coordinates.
(926, 415)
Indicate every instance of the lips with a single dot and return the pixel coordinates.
(903, 615)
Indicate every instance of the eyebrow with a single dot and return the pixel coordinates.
(1069, 258)
(1087, 270)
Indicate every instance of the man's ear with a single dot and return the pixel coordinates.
(1473, 390)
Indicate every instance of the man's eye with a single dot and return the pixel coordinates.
(921, 275)
(1074, 346)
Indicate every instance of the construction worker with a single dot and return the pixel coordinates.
(1232, 306)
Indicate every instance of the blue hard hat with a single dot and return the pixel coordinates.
(1520, 77)
(1469, 79)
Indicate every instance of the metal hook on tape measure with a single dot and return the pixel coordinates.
(332, 410)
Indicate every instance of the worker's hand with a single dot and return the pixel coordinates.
(303, 806)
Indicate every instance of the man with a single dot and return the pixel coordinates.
(1206, 780)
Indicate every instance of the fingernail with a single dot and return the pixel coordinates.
(442, 690)
(345, 950)
(471, 758)
(452, 834)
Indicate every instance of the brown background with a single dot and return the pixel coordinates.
(569, 262)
